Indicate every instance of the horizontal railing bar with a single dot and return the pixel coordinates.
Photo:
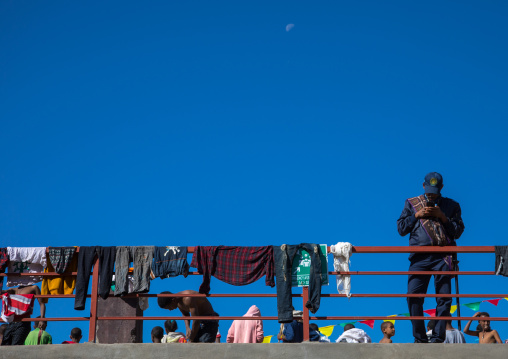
(417, 295)
(64, 319)
(329, 317)
(423, 249)
(243, 295)
(400, 249)
(353, 318)
(53, 274)
(345, 318)
(414, 273)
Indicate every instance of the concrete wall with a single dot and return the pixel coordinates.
(252, 351)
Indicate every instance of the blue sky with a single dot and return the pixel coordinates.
(192, 123)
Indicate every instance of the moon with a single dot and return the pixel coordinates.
(289, 27)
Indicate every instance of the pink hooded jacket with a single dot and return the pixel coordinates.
(247, 331)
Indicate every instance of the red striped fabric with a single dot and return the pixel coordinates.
(16, 306)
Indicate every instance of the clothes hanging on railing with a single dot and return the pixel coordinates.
(501, 260)
(142, 257)
(233, 265)
(169, 262)
(283, 259)
(342, 251)
(61, 260)
(25, 260)
(86, 258)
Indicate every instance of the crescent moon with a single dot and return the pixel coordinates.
(289, 27)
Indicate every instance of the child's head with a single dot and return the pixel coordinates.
(348, 326)
(431, 325)
(157, 334)
(170, 326)
(314, 327)
(388, 329)
(44, 324)
(76, 335)
(483, 323)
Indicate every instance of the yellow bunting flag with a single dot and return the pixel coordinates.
(506, 298)
(453, 309)
(267, 339)
(327, 330)
(392, 321)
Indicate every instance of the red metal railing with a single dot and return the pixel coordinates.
(93, 318)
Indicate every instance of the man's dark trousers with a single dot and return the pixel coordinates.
(417, 284)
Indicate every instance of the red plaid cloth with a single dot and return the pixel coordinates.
(233, 265)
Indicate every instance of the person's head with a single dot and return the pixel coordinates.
(431, 325)
(167, 302)
(170, 326)
(348, 326)
(388, 329)
(157, 334)
(298, 315)
(484, 323)
(44, 324)
(75, 335)
(432, 184)
(314, 326)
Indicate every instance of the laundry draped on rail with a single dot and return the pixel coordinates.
(233, 265)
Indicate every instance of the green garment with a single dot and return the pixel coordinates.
(33, 337)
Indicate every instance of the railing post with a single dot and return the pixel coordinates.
(92, 332)
(305, 314)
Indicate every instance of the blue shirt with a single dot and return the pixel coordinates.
(407, 223)
(293, 332)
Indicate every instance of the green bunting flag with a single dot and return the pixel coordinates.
(473, 306)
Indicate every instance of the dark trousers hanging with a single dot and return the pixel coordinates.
(86, 259)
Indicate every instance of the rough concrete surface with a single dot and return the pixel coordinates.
(252, 351)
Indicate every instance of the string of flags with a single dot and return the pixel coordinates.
(328, 330)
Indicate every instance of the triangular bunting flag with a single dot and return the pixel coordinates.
(431, 312)
(370, 323)
(327, 330)
(392, 321)
(493, 301)
(404, 314)
(473, 306)
(453, 309)
(267, 339)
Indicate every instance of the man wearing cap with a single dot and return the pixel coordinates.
(431, 220)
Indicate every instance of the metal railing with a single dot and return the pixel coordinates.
(94, 318)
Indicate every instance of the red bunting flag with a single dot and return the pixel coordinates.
(493, 301)
(431, 312)
(370, 323)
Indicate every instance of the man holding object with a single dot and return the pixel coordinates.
(431, 220)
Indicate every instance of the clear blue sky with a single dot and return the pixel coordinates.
(200, 123)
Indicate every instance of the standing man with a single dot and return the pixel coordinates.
(431, 220)
(202, 331)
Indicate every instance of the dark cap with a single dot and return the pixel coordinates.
(433, 183)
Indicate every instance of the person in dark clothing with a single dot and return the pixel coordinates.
(292, 332)
(431, 220)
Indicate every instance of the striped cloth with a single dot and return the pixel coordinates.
(16, 306)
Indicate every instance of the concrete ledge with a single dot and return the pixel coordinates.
(293, 351)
